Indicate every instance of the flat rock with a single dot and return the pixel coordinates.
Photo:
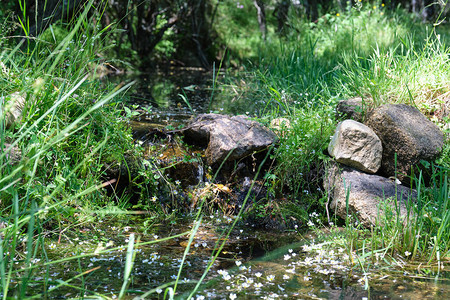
(366, 193)
(406, 133)
(356, 145)
(228, 137)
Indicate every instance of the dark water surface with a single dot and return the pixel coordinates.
(174, 94)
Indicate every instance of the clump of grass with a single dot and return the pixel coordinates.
(422, 237)
(403, 74)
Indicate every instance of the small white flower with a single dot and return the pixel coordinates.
(233, 296)
(238, 263)
(159, 291)
(270, 277)
(292, 271)
(407, 253)
(258, 274)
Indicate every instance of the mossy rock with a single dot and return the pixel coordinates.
(54, 35)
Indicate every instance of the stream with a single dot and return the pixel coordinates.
(253, 264)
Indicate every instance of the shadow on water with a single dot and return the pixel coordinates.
(163, 90)
(154, 264)
(308, 269)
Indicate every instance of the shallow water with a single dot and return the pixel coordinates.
(172, 95)
(254, 264)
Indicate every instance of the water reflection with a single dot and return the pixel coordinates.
(164, 89)
(168, 95)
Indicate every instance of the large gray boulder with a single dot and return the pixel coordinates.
(228, 137)
(368, 195)
(353, 108)
(356, 145)
(404, 131)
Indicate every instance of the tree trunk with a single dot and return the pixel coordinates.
(259, 4)
(281, 12)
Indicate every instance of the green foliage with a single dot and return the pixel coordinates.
(72, 127)
(166, 47)
(402, 74)
(236, 30)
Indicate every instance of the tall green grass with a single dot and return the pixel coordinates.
(71, 126)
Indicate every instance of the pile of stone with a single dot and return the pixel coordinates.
(375, 158)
